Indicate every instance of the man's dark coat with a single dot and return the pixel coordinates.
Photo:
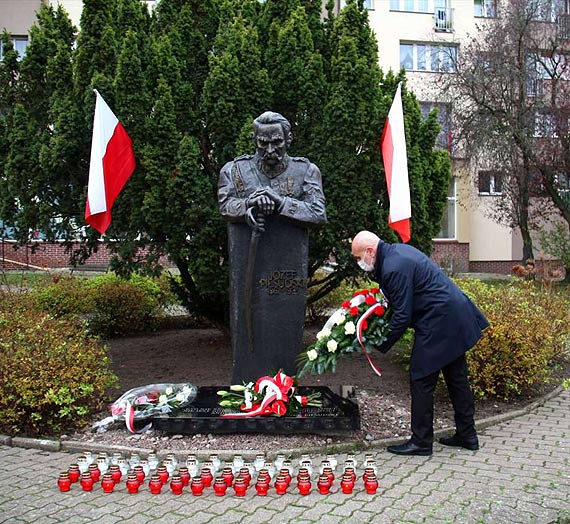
(446, 322)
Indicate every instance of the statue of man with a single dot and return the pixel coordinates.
(270, 201)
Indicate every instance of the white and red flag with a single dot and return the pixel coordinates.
(393, 146)
(112, 163)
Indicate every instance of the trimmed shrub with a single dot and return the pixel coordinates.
(529, 329)
(63, 297)
(53, 373)
(113, 306)
(121, 308)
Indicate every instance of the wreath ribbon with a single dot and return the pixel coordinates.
(277, 389)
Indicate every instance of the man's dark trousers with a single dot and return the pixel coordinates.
(422, 389)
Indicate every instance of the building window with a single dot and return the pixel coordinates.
(428, 57)
(445, 138)
(368, 4)
(412, 6)
(546, 10)
(448, 230)
(20, 43)
(545, 125)
(490, 183)
(486, 8)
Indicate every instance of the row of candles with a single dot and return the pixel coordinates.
(238, 474)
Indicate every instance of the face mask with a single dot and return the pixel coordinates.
(365, 266)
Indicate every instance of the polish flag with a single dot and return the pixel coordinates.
(393, 146)
(112, 163)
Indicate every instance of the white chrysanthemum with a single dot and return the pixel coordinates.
(312, 354)
(180, 397)
(332, 345)
(163, 399)
(338, 318)
(349, 328)
(323, 333)
(168, 391)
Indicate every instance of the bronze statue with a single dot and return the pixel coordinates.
(270, 201)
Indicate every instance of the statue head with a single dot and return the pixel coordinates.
(271, 136)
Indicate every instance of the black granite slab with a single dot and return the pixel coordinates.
(336, 415)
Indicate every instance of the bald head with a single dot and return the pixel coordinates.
(362, 241)
(364, 246)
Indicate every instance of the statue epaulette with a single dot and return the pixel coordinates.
(300, 159)
(243, 157)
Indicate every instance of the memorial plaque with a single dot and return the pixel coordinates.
(337, 415)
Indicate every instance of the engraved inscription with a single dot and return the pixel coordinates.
(284, 282)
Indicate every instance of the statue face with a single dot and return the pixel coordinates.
(271, 144)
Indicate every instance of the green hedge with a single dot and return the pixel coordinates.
(113, 306)
(53, 373)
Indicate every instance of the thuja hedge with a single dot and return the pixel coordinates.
(529, 332)
(53, 374)
(112, 306)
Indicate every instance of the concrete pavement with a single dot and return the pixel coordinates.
(521, 474)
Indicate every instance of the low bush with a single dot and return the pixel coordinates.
(63, 296)
(53, 374)
(112, 305)
(121, 308)
(529, 331)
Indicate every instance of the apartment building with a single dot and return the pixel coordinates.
(422, 36)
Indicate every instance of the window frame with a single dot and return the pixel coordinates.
(432, 54)
(451, 203)
(495, 179)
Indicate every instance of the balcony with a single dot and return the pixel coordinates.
(443, 22)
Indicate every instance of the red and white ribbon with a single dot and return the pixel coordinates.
(359, 330)
(277, 389)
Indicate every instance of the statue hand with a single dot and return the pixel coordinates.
(273, 195)
(261, 202)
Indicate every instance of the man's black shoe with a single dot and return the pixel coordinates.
(457, 442)
(409, 448)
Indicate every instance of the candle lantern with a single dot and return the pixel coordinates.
(115, 473)
(228, 476)
(324, 485)
(371, 484)
(184, 475)
(197, 486)
(95, 472)
(304, 484)
(176, 485)
(240, 487)
(163, 474)
(155, 485)
(245, 475)
(86, 481)
(132, 483)
(74, 473)
(281, 485)
(107, 483)
(64, 482)
(347, 484)
(220, 486)
(262, 486)
(207, 477)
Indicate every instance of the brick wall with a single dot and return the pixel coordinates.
(451, 255)
(40, 255)
(549, 268)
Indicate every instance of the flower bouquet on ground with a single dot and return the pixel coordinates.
(360, 324)
(146, 401)
(268, 396)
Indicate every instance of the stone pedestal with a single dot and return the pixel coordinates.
(278, 298)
